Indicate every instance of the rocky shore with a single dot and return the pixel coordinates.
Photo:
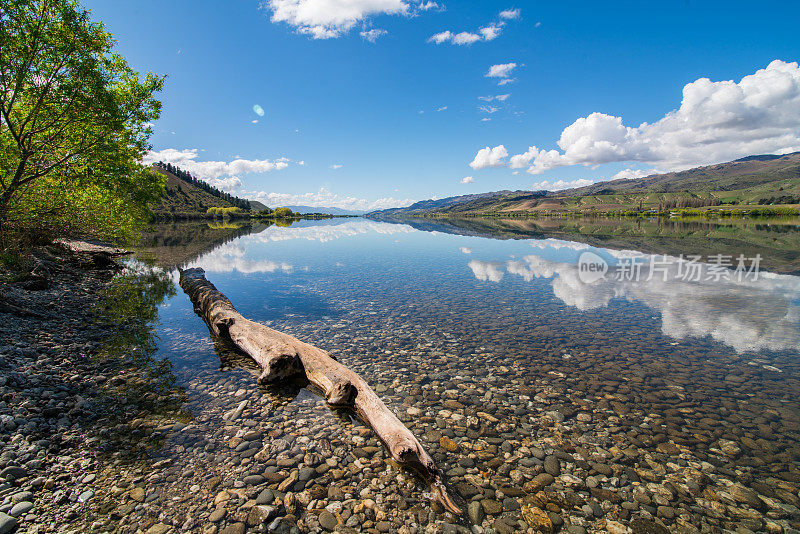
(59, 395)
(607, 429)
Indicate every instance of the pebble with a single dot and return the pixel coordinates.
(628, 430)
(491, 507)
(7, 523)
(217, 515)
(327, 521)
(21, 508)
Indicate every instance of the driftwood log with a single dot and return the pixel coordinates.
(282, 356)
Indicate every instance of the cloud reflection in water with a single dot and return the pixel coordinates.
(748, 315)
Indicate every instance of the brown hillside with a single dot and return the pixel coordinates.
(184, 199)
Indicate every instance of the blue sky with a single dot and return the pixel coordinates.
(378, 113)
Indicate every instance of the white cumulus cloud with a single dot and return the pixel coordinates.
(186, 159)
(326, 19)
(630, 174)
(229, 184)
(716, 121)
(467, 180)
(491, 32)
(489, 157)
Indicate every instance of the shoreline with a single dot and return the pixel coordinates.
(61, 395)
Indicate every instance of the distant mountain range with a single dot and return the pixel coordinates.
(258, 206)
(445, 204)
(747, 182)
(317, 209)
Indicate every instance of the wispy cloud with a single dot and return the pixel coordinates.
(502, 70)
(510, 14)
(372, 35)
(486, 33)
(427, 6)
(499, 98)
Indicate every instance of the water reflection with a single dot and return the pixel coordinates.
(144, 391)
(778, 241)
(462, 337)
(749, 312)
(233, 257)
(325, 231)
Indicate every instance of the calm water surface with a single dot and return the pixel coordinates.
(648, 398)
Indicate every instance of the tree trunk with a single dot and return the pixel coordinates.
(282, 356)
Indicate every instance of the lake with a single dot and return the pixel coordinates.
(575, 375)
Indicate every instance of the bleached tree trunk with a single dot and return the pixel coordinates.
(282, 356)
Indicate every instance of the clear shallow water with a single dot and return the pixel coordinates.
(658, 398)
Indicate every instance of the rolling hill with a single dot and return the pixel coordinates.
(185, 199)
(746, 183)
(740, 174)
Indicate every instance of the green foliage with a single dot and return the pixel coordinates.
(283, 213)
(220, 212)
(781, 199)
(780, 211)
(75, 125)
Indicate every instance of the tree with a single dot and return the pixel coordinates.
(74, 123)
(283, 213)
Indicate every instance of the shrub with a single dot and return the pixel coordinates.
(223, 212)
(283, 213)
